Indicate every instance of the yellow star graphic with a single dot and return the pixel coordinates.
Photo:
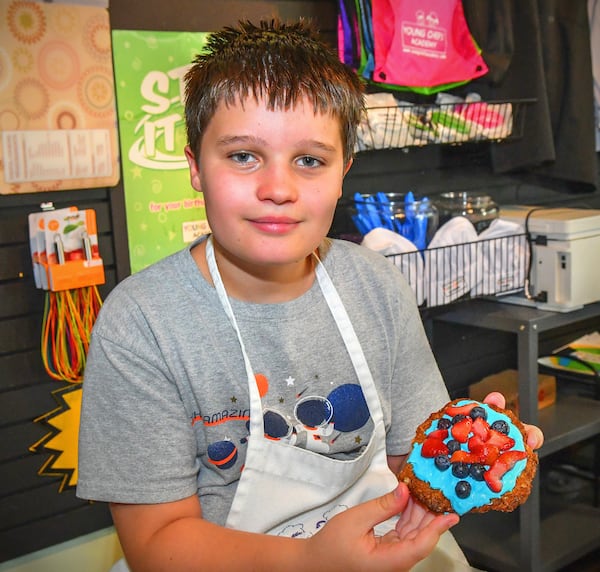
(62, 440)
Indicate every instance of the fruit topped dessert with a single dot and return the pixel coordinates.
(470, 457)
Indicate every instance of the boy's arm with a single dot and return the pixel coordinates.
(174, 536)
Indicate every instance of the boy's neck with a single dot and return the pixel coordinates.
(259, 285)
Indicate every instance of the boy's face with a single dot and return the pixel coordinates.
(271, 180)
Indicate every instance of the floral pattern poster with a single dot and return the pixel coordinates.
(58, 121)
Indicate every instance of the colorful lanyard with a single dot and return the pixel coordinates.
(69, 316)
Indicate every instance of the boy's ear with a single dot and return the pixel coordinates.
(193, 166)
(346, 169)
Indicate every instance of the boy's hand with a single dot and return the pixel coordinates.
(347, 542)
(535, 437)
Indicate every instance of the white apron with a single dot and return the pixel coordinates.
(290, 491)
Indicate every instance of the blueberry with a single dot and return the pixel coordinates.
(476, 471)
(444, 423)
(460, 470)
(453, 446)
(478, 411)
(463, 489)
(442, 462)
(458, 417)
(501, 426)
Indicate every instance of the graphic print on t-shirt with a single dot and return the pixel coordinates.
(333, 424)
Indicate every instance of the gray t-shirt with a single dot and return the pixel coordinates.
(165, 402)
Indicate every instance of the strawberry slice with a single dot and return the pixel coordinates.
(475, 443)
(500, 440)
(433, 447)
(493, 476)
(487, 453)
(460, 409)
(481, 428)
(438, 434)
(510, 458)
(464, 457)
(505, 462)
(460, 430)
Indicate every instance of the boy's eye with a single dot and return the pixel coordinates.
(242, 157)
(308, 161)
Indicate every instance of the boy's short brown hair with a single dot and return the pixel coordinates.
(278, 62)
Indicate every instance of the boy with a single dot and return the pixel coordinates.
(249, 400)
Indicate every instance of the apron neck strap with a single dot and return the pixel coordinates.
(342, 321)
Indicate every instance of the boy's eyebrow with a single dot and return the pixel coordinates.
(252, 139)
(319, 144)
(237, 139)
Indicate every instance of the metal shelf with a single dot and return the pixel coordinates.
(492, 540)
(495, 315)
(570, 420)
(533, 539)
(527, 323)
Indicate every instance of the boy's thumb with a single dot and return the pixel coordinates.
(381, 508)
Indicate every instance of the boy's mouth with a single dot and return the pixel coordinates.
(275, 224)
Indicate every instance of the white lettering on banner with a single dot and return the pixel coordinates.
(157, 130)
(153, 85)
(163, 127)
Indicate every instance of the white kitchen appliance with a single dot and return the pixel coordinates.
(565, 261)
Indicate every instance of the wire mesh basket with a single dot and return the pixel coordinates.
(447, 274)
(416, 125)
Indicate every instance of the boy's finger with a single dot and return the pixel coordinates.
(393, 503)
(379, 509)
(535, 437)
(495, 398)
(425, 539)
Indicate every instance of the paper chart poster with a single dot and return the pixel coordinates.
(164, 212)
(58, 120)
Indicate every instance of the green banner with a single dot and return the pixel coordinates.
(163, 211)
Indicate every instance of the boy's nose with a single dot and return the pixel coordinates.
(277, 184)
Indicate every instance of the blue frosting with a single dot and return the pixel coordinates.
(425, 469)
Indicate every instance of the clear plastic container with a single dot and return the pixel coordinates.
(416, 220)
(480, 209)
